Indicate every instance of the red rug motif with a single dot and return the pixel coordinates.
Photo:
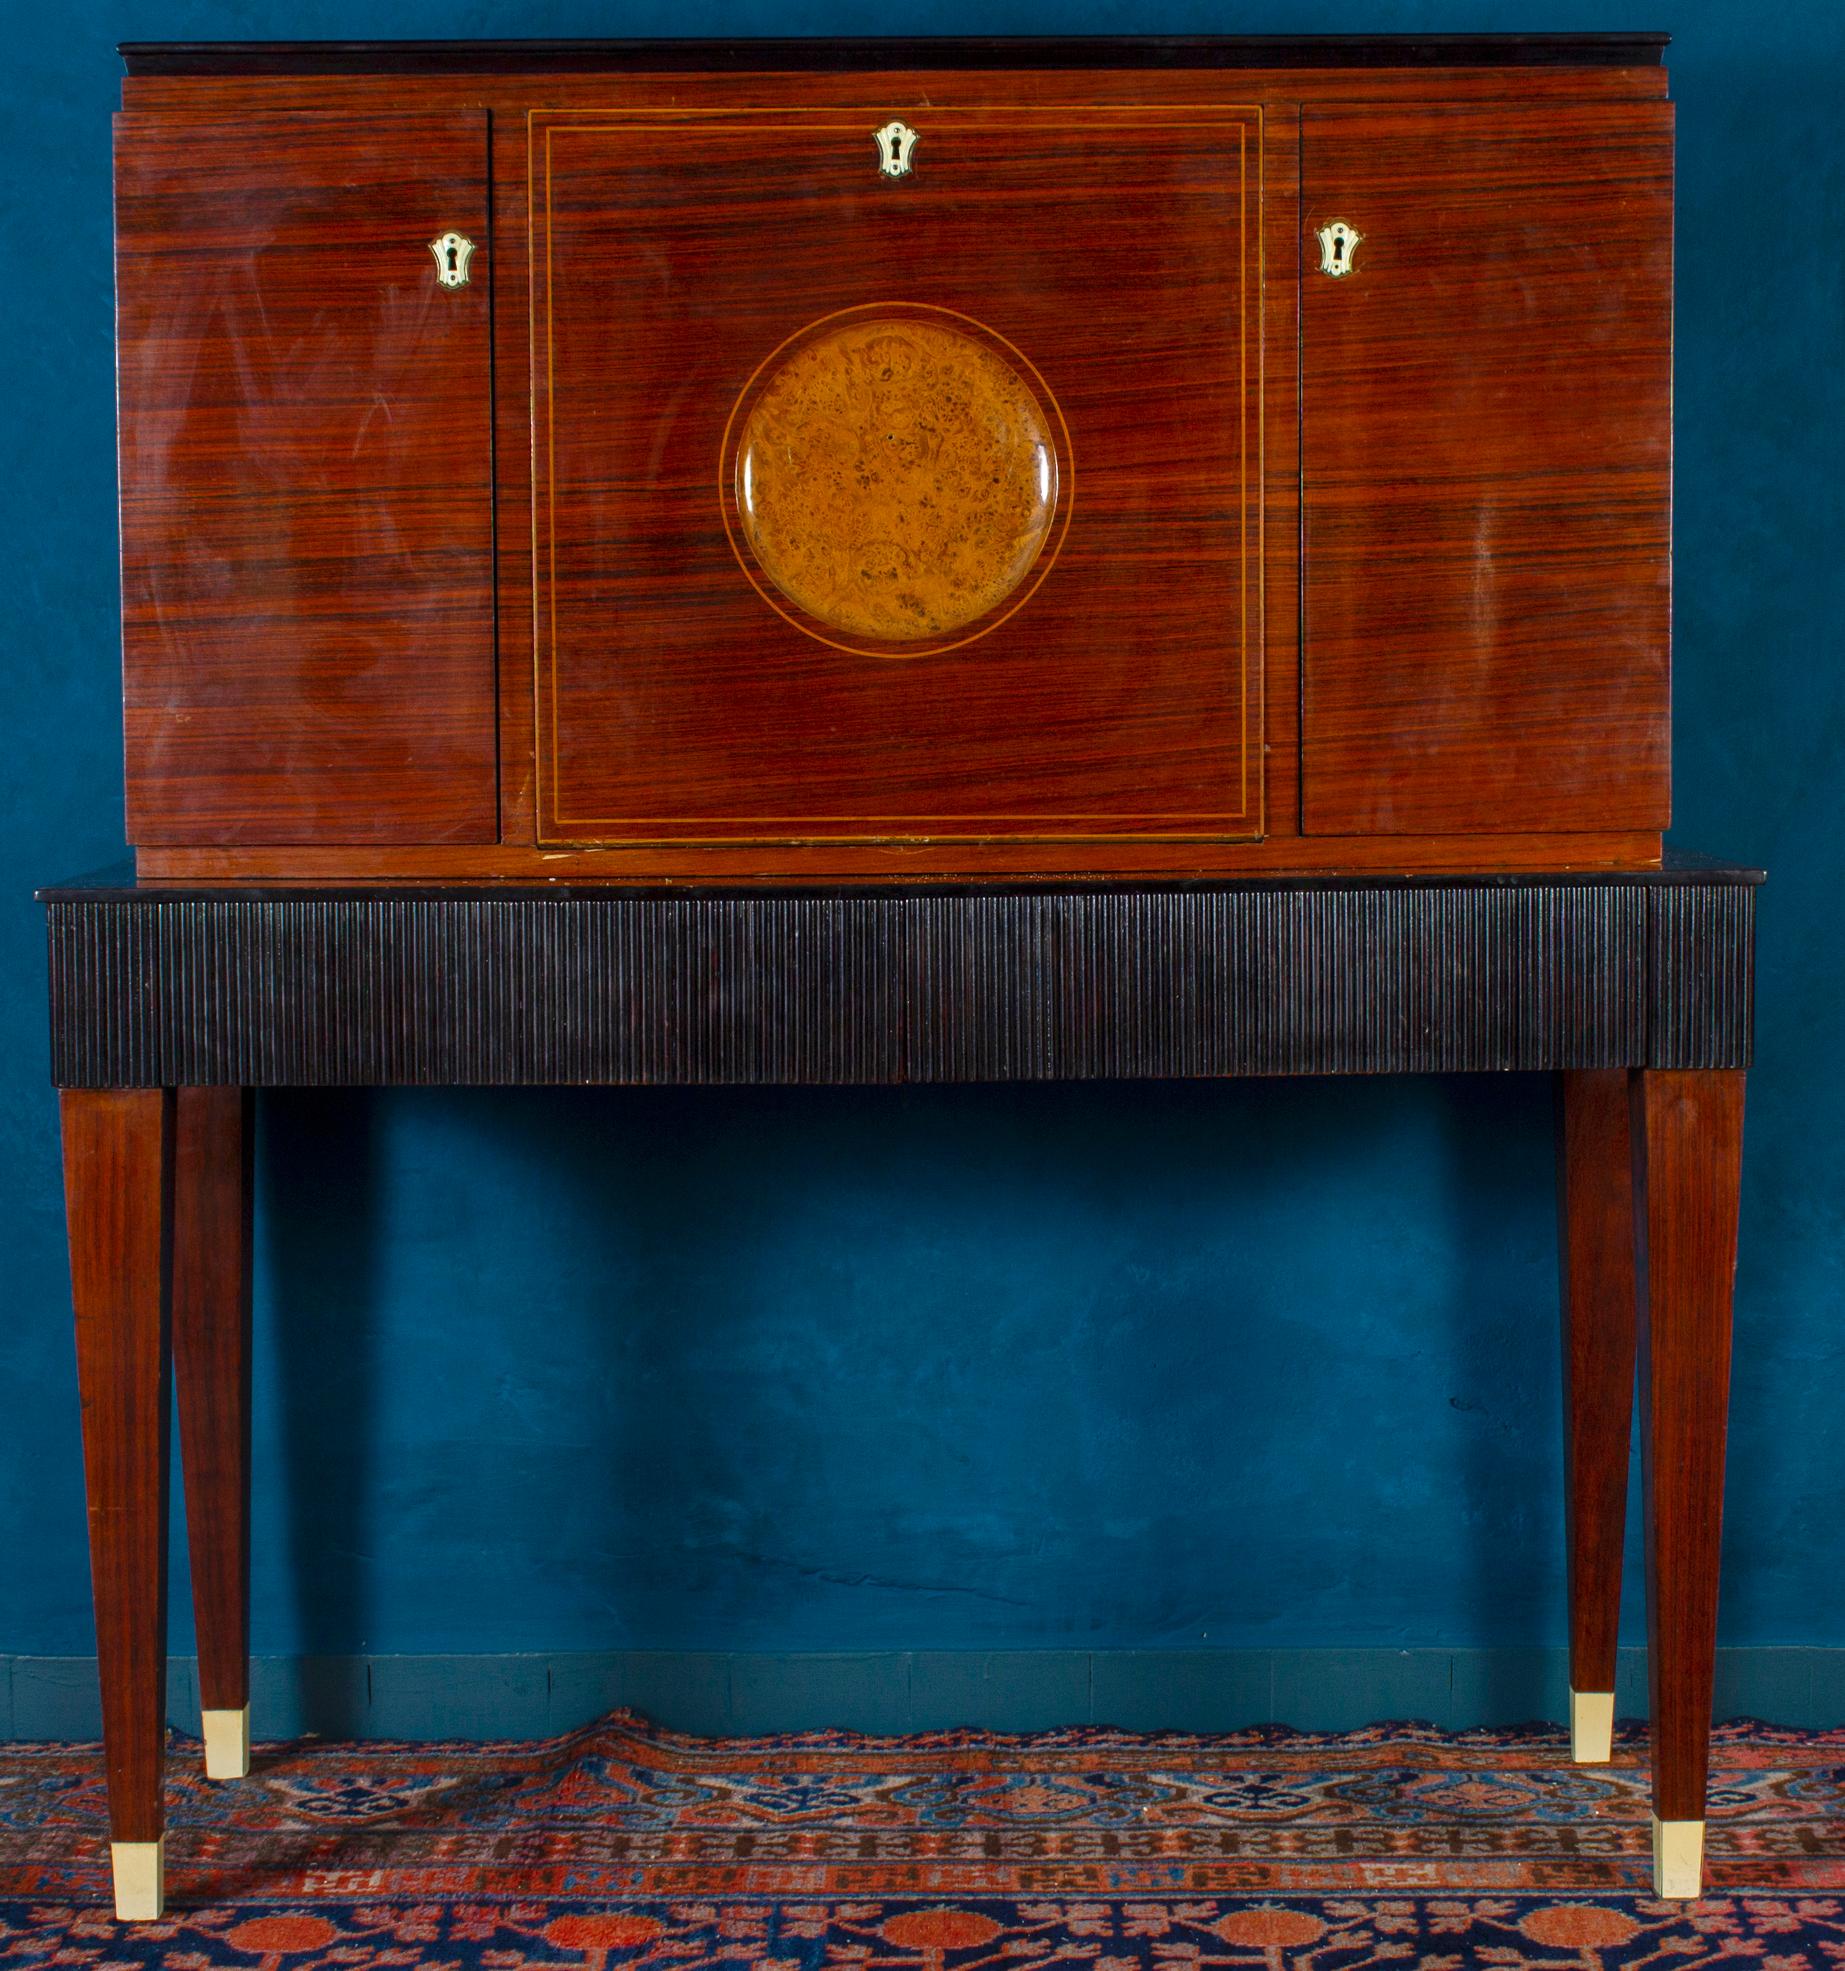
(626, 1846)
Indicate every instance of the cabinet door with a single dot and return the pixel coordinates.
(306, 480)
(1486, 397)
(898, 473)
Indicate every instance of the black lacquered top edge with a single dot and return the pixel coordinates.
(118, 885)
(249, 58)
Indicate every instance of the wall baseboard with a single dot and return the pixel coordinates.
(536, 1696)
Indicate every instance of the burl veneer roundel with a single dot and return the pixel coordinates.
(896, 481)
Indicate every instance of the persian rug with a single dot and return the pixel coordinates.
(626, 1846)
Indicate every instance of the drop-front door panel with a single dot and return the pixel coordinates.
(306, 479)
(946, 473)
(1486, 399)
(898, 473)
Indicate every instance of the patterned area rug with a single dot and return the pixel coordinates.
(623, 1845)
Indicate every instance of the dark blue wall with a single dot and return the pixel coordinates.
(772, 1371)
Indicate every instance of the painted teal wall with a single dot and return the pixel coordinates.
(1183, 1366)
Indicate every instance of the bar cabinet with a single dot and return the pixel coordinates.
(877, 561)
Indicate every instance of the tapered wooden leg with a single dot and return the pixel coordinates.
(118, 1173)
(1687, 1132)
(1595, 1239)
(211, 1362)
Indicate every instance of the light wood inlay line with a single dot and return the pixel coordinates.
(1229, 813)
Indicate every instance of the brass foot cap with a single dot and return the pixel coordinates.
(1678, 1859)
(227, 1744)
(140, 1871)
(1591, 1727)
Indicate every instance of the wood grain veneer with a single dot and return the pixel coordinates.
(1687, 1130)
(1538, 746)
(306, 479)
(675, 257)
(806, 865)
(516, 92)
(1595, 1245)
(1487, 469)
(118, 1192)
(214, 1143)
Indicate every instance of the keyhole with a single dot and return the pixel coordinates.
(890, 153)
(1338, 251)
(453, 256)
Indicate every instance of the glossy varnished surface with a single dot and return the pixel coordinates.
(514, 91)
(1487, 470)
(214, 1132)
(1595, 1249)
(306, 480)
(929, 865)
(1687, 1134)
(895, 480)
(1514, 76)
(118, 1178)
(675, 257)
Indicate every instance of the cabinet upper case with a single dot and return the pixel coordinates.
(591, 466)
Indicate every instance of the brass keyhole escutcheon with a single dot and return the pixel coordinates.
(453, 251)
(1338, 242)
(895, 142)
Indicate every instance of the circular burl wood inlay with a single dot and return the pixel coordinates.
(896, 479)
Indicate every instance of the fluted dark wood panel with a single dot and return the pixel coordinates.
(1365, 979)
(1703, 969)
(475, 987)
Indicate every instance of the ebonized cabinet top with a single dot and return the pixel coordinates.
(171, 58)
